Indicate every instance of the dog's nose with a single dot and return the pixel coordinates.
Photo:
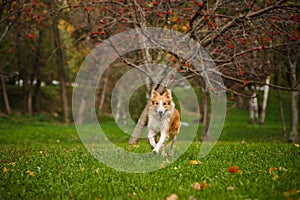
(160, 113)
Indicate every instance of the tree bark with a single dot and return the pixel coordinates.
(294, 103)
(265, 101)
(4, 92)
(253, 108)
(36, 73)
(103, 94)
(29, 98)
(60, 66)
(281, 110)
(240, 102)
(282, 120)
(205, 133)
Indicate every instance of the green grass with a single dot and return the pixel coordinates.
(63, 168)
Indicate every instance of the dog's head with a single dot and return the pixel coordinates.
(161, 104)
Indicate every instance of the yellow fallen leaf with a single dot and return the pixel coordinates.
(194, 162)
(271, 169)
(282, 169)
(97, 170)
(297, 145)
(275, 177)
(230, 188)
(30, 173)
(82, 169)
(172, 197)
(292, 192)
(5, 170)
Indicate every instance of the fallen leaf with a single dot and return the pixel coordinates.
(136, 146)
(275, 177)
(230, 187)
(172, 197)
(282, 169)
(234, 169)
(30, 173)
(198, 186)
(272, 169)
(5, 170)
(292, 192)
(97, 170)
(82, 169)
(194, 162)
(297, 145)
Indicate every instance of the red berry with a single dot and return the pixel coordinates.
(32, 48)
(230, 46)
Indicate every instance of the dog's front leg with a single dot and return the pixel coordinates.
(161, 141)
(151, 135)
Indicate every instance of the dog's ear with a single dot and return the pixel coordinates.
(168, 94)
(154, 93)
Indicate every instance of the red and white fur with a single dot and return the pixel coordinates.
(163, 118)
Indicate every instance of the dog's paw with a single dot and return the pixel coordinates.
(154, 152)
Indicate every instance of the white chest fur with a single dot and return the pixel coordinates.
(158, 124)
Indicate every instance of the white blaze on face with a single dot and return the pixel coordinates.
(161, 109)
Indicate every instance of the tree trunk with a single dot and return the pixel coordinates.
(205, 133)
(240, 102)
(281, 110)
(4, 92)
(265, 100)
(37, 96)
(118, 111)
(36, 73)
(103, 94)
(253, 108)
(294, 116)
(60, 66)
(283, 126)
(80, 118)
(294, 103)
(29, 98)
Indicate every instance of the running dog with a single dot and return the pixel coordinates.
(163, 118)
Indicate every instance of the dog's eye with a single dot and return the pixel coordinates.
(156, 103)
(164, 103)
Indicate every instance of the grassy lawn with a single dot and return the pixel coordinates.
(42, 160)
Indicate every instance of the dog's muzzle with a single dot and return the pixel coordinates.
(161, 113)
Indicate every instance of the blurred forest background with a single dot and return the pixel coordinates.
(254, 43)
